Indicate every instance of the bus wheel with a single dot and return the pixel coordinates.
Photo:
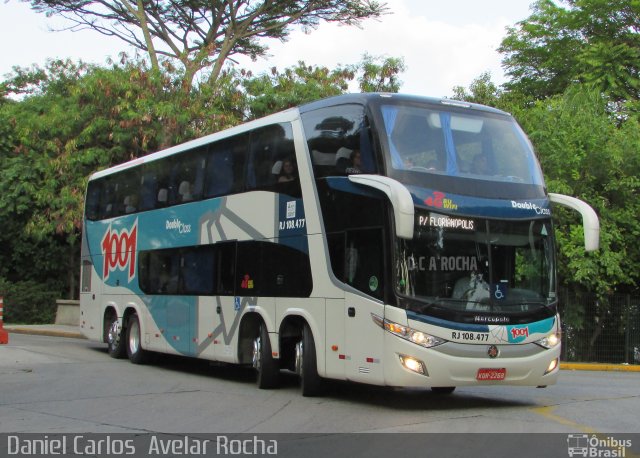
(115, 341)
(134, 348)
(306, 364)
(263, 362)
(443, 389)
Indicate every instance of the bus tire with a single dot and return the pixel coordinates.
(115, 340)
(263, 362)
(306, 364)
(135, 352)
(443, 389)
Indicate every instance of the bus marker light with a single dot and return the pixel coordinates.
(334, 348)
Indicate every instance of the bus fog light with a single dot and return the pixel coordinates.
(552, 366)
(413, 364)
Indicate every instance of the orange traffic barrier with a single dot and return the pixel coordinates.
(4, 335)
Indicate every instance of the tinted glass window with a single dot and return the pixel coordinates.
(339, 141)
(272, 161)
(225, 166)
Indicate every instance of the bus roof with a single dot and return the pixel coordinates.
(289, 115)
(369, 97)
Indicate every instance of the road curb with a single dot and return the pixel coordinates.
(599, 367)
(45, 332)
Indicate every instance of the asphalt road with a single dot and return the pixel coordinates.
(62, 385)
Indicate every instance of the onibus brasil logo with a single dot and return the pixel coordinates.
(119, 251)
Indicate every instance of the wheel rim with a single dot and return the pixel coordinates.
(134, 337)
(299, 357)
(257, 347)
(113, 336)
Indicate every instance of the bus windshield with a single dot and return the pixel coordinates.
(478, 265)
(479, 145)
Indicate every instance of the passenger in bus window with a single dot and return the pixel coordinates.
(348, 161)
(356, 162)
(287, 172)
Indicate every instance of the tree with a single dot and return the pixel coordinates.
(269, 93)
(379, 74)
(589, 41)
(481, 90)
(585, 153)
(204, 34)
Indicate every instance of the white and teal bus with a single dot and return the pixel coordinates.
(377, 238)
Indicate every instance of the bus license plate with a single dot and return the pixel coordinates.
(491, 374)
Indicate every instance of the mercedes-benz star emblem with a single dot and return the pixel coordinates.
(493, 351)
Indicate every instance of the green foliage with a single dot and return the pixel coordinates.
(586, 153)
(269, 93)
(590, 41)
(481, 90)
(380, 74)
(29, 302)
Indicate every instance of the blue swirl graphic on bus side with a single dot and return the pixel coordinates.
(115, 245)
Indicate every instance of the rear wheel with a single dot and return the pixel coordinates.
(306, 364)
(135, 351)
(114, 338)
(263, 362)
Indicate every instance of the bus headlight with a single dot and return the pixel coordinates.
(550, 341)
(407, 333)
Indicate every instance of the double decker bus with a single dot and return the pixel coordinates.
(378, 238)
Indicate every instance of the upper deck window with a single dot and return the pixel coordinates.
(466, 144)
(339, 140)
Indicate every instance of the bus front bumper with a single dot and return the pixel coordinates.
(455, 364)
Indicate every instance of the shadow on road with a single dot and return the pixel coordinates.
(405, 399)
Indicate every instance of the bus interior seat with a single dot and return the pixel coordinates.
(184, 191)
(343, 159)
(275, 170)
(163, 197)
(324, 164)
(130, 204)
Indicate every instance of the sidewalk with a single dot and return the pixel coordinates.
(56, 330)
(59, 330)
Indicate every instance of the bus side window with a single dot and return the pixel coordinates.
(224, 168)
(329, 129)
(225, 268)
(92, 206)
(364, 261)
(269, 145)
(197, 275)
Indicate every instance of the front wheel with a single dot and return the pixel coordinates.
(263, 362)
(135, 352)
(115, 342)
(306, 364)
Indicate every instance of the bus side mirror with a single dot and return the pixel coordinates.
(590, 220)
(400, 198)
